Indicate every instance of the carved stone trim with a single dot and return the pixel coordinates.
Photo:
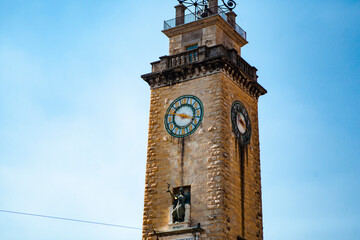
(217, 59)
(196, 229)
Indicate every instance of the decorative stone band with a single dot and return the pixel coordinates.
(193, 230)
(201, 62)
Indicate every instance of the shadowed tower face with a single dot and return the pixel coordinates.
(203, 162)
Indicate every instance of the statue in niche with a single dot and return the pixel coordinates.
(179, 202)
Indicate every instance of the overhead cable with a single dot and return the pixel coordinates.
(69, 219)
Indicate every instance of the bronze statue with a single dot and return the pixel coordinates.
(179, 201)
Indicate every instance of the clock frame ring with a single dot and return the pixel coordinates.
(241, 123)
(184, 116)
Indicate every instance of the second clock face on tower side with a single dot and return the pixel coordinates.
(183, 116)
(241, 122)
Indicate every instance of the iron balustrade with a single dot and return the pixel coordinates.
(179, 21)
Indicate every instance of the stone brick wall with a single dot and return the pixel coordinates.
(232, 157)
(210, 32)
(211, 163)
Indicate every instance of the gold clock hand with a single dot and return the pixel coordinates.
(182, 115)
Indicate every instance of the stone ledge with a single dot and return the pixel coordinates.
(179, 68)
(196, 229)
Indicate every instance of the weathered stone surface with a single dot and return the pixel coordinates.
(179, 68)
(208, 31)
(225, 195)
(212, 171)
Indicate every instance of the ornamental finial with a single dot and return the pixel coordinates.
(230, 4)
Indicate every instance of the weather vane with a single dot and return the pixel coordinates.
(201, 7)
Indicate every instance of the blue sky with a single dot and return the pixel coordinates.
(74, 114)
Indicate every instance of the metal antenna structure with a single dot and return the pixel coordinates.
(200, 8)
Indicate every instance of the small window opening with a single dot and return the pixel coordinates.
(191, 47)
(192, 55)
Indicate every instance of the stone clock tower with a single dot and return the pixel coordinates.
(203, 163)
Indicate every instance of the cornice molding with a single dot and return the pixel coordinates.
(196, 229)
(219, 63)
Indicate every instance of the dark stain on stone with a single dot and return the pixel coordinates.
(182, 149)
(242, 156)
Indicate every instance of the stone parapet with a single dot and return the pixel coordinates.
(202, 61)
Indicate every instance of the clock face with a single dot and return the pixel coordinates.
(183, 116)
(241, 122)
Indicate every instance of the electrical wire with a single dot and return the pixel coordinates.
(69, 219)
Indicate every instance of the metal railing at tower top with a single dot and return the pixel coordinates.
(192, 18)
